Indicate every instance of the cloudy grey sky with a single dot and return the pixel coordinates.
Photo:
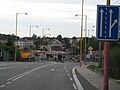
(58, 15)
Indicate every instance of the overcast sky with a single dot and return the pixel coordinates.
(58, 15)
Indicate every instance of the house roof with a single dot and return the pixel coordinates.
(55, 41)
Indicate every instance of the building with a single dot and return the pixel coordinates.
(3, 41)
(24, 44)
(55, 45)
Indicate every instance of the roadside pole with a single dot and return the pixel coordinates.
(81, 34)
(106, 62)
(108, 23)
(106, 65)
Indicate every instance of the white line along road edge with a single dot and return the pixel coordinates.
(76, 80)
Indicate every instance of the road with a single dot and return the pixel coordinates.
(40, 76)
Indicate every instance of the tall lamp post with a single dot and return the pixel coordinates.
(44, 30)
(43, 34)
(85, 35)
(31, 28)
(106, 61)
(90, 36)
(30, 36)
(47, 34)
(45, 37)
(81, 35)
(16, 33)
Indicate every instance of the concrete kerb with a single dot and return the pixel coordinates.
(77, 68)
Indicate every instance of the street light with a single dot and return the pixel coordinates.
(91, 30)
(30, 29)
(45, 38)
(42, 42)
(81, 34)
(30, 36)
(44, 30)
(47, 34)
(85, 35)
(44, 35)
(16, 33)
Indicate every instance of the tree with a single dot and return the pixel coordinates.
(34, 38)
(75, 46)
(67, 43)
(9, 42)
(59, 37)
(114, 70)
(115, 44)
(94, 43)
(37, 43)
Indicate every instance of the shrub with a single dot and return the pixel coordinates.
(114, 63)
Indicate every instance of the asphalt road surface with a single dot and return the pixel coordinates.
(47, 75)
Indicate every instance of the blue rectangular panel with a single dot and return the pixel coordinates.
(107, 22)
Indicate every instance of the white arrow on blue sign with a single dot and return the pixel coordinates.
(108, 22)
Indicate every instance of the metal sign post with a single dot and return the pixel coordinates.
(108, 25)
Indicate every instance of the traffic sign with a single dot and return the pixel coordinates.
(90, 48)
(108, 22)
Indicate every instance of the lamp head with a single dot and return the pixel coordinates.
(26, 13)
(77, 15)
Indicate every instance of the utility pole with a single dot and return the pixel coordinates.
(81, 34)
(100, 53)
(106, 62)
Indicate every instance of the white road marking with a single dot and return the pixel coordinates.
(2, 86)
(74, 86)
(71, 79)
(68, 74)
(14, 78)
(52, 69)
(79, 86)
(8, 82)
(65, 69)
(5, 68)
(25, 66)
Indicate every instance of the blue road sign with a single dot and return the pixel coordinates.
(108, 22)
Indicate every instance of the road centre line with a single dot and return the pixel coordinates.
(8, 82)
(26, 73)
(14, 78)
(2, 86)
(65, 68)
(74, 86)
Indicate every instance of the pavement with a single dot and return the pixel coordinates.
(96, 79)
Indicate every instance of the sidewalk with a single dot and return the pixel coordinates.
(96, 79)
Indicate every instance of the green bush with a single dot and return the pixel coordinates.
(96, 68)
(114, 63)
